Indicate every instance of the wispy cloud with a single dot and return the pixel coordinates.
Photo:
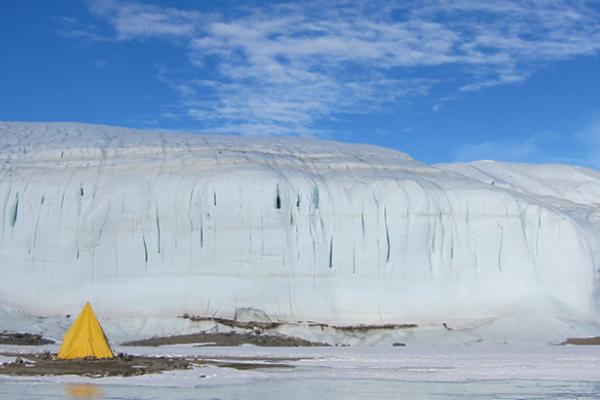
(101, 64)
(69, 27)
(282, 67)
(588, 139)
(133, 20)
(580, 146)
(527, 148)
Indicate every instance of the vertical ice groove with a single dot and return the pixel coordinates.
(331, 252)
(158, 238)
(433, 237)
(79, 205)
(362, 223)
(62, 200)
(6, 202)
(15, 212)
(201, 234)
(527, 237)
(277, 198)
(145, 249)
(315, 197)
(190, 208)
(387, 235)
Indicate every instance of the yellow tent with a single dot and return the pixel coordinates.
(85, 338)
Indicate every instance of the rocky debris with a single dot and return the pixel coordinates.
(23, 339)
(227, 339)
(121, 366)
(234, 323)
(266, 324)
(593, 341)
(36, 364)
(367, 328)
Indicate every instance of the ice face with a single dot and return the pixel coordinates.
(162, 224)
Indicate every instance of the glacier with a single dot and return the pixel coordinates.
(160, 224)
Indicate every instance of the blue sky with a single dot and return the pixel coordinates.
(441, 80)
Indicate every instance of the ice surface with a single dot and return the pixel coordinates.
(152, 225)
(441, 372)
(316, 388)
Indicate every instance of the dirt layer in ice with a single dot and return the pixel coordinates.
(227, 339)
(23, 339)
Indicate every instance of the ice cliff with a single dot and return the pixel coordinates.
(162, 224)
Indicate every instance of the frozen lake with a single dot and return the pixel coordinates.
(419, 372)
(326, 388)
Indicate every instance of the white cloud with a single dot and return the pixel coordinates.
(501, 79)
(132, 20)
(285, 66)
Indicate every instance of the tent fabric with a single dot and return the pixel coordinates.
(85, 338)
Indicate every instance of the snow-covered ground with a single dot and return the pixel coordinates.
(444, 372)
(151, 225)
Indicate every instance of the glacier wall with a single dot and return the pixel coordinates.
(162, 224)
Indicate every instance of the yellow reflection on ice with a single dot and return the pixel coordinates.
(83, 391)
